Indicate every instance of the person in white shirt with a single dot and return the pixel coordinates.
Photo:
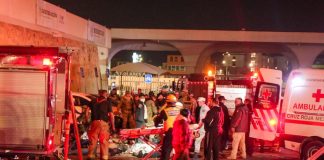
(202, 114)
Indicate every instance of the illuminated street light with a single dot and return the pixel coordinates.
(224, 62)
(137, 57)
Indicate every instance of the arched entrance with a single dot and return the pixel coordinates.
(240, 58)
(319, 61)
(158, 54)
(118, 46)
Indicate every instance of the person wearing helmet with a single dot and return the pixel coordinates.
(168, 115)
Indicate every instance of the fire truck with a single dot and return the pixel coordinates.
(34, 95)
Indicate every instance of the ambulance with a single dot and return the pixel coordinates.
(302, 112)
(262, 87)
(34, 95)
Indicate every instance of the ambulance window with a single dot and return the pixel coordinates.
(267, 95)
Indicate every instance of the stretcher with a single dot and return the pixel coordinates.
(142, 134)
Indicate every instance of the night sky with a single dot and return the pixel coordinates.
(157, 60)
(260, 15)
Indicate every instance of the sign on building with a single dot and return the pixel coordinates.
(50, 16)
(97, 33)
(148, 78)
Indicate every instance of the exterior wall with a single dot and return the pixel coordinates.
(86, 56)
(24, 13)
(175, 60)
(20, 24)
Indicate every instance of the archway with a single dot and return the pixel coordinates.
(269, 55)
(319, 61)
(119, 45)
(155, 53)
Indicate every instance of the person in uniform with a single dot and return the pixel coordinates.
(168, 115)
(194, 105)
(126, 107)
(101, 113)
(151, 110)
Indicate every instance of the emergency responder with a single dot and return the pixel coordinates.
(101, 113)
(151, 110)
(201, 130)
(181, 135)
(126, 107)
(227, 123)
(168, 115)
(185, 99)
(213, 123)
(194, 105)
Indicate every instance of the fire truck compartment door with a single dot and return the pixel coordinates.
(23, 101)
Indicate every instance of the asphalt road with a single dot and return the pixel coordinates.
(283, 154)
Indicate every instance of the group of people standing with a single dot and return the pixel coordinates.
(214, 125)
(176, 112)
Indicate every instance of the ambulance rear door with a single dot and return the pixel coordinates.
(266, 104)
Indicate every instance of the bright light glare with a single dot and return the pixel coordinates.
(47, 62)
(210, 73)
(297, 81)
(273, 122)
(50, 142)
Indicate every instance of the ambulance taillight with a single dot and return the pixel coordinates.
(273, 122)
(254, 76)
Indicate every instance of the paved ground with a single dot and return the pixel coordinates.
(267, 155)
(283, 155)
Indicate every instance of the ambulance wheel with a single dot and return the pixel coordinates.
(311, 148)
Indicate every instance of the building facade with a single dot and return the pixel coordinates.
(175, 65)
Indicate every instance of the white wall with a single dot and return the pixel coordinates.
(24, 13)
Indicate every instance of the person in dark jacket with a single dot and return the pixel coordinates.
(213, 123)
(101, 114)
(227, 122)
(140, 112)
(239, 126)
(248, 140)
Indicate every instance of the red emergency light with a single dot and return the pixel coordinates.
(47, 62)
(254, 75)
(273, 122)
(50, 142)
